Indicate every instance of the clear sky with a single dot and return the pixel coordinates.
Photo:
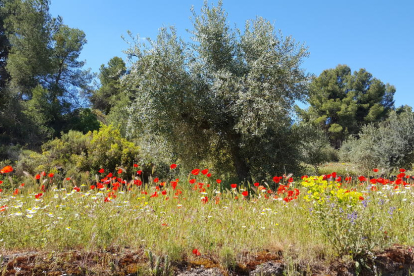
(377, 35)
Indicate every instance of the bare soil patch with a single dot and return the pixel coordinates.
(395, 261)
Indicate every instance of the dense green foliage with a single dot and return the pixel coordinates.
(108, 94)
(314, 146)
(341, 103)
(112, 98)
(225, 99)
(76, 152)
(41, 77)
(388, 146)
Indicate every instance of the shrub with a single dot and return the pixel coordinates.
(314, 147)
(389, 145)
(77, 152)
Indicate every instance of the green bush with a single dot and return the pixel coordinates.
(390, 145)
(76, 152)
(109, 150)
(314, 146)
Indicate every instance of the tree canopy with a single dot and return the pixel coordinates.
(42, 79)
(226, 98)
(341, 102)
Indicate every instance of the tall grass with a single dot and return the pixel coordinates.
(228, 227)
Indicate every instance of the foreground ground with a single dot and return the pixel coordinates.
(318, 225)
(397, 260)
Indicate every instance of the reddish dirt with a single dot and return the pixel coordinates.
(397, 260)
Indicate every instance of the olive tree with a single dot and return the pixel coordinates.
(226, 98)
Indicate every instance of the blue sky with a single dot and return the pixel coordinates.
(375, 35)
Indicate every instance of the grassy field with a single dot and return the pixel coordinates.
(308, 220)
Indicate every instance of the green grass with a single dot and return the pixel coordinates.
(227, 229)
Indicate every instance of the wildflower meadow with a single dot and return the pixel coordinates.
(311, 219)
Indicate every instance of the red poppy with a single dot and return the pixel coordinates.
(109, 175)
(137, 182)
(67, 178)
(174, 184)
(101, 171)
(135, 165)
(290, 180)
(3, 208)
(192, 181)
(92, 187)
(204, 199)
(1, 182)
(381, 180)
(16, 192)
(348, 179)
(362, 178)
(333, 175)
(107, 199)
(281, 189)
(233, 186)
(6, 169)
(401, 175)
(120, 171)
(164, 192)
(76, 189)
(156, 180)
(218, 181)
(195, 171)
(205, 171)
(375, 170)
(245, 193)
(361, 198)
(208, 175)
(43, 173)
(37, 176)
(296, 191)
(338, 179)
(402, 170)
(38, 195)
(256, 184)
(276, 179)
(173, 166)
(196, 252)
(304, 176)
(139, 172)
(155, 194)
(51, 175)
